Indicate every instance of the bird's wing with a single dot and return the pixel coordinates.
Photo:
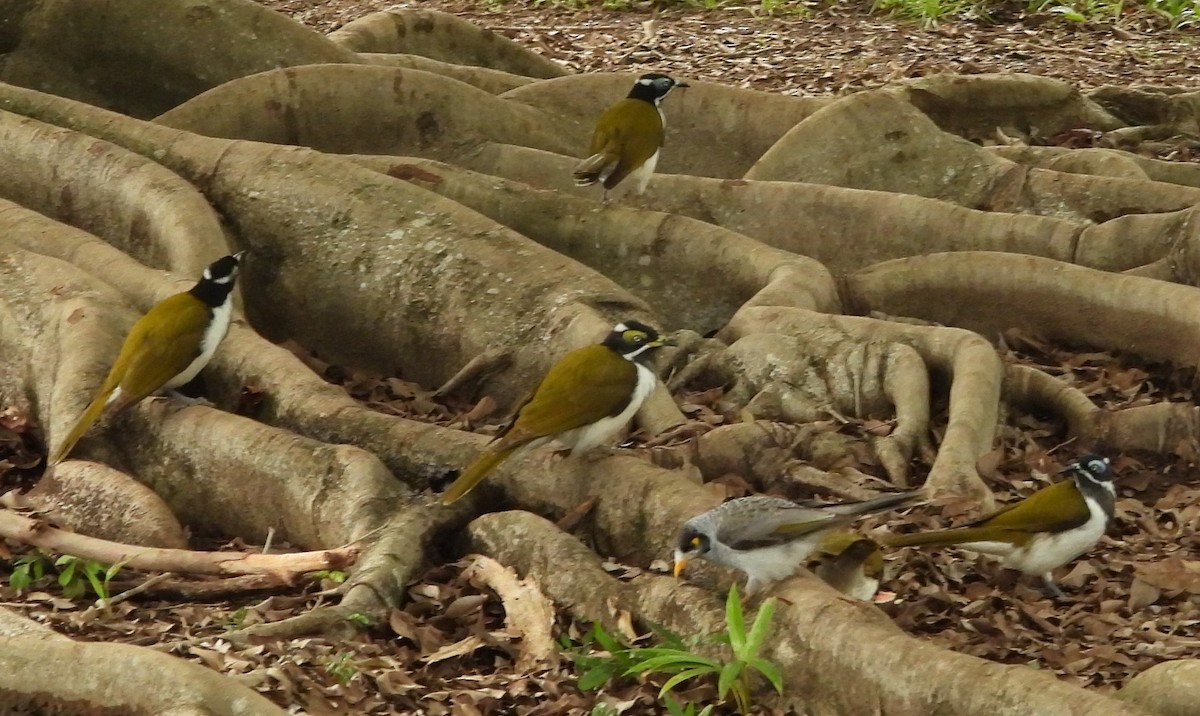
(586, 385)
(765, 522)
(1053, 508)
(157, 350)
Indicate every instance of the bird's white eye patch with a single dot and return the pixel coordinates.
(620, 328)
(207, 275)
(1097, 467)
(645, 81)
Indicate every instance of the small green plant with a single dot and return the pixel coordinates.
(341, 668)
(237, 618)
(76, 575)
(1081, 10)
(614, 659)
(1179, 13)
(929, 12)
(363, 621)
(333, 575)
(27, 570)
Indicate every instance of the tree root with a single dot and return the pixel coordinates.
(97, 501)
(990, 292)
(973, 106)
(134, 203)
(407, 112)
(444, 37)
(116, 53)
(1161, 427)
(907, 144)
(58, 675)
(488, 80)
(1168, 689)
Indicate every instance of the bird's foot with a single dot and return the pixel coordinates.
(1051, 588)
(187, 401)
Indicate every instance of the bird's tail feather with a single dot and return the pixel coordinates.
(81, 426)
(590, 170)
(475, 472)
(936, 538)
(877, 504)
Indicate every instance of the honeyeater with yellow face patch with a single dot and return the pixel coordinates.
(583, 400)
(628, 136)
(165, 349)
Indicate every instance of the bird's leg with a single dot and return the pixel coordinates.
(605, 198)
(1051, 587)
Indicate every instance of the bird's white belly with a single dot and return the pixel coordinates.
(1042, 554)
(766, 565)
(217, 328)
(599, 432)
(1048, 551)
(642, 174)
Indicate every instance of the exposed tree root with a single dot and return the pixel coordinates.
(1167, 689)
(1161, 427)
(408, 266)
(95, 500)
(973, 106)
(134, 203)
(488, 80)
(405, 111)
(991, 292)
(905, 145)
(111, 53)
(51, 674)
(444, 37)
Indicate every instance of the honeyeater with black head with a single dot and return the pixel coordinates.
(628, 136)
(1042, 532)
(769, 538)
(583, 400)
(166, 348)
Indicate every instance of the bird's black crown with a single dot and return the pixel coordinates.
(654, 86)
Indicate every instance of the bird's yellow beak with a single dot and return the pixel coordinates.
(663, 341)
(680, 563)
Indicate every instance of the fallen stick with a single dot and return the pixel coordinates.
(155, 559)
(207, 589)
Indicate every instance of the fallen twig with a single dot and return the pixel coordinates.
(156, 559)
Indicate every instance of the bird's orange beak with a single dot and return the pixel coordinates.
(679, 565)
